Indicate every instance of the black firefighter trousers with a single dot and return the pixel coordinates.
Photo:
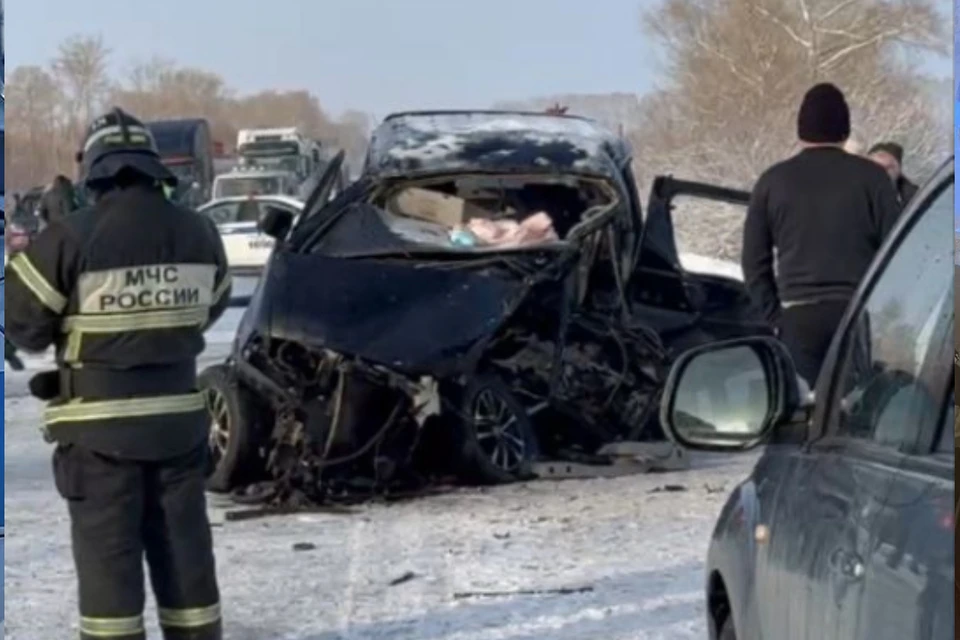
(123, 510)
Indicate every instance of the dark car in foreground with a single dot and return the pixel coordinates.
(485, 295)
(845, 528)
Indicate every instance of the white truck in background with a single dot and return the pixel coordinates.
(280, 161)
(273, 161)
(279, 149)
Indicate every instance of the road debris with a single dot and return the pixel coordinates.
(406, 577)
(560, 591)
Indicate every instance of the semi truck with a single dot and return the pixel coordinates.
(278, 149)
(187, 149)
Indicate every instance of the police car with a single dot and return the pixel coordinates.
(238, 220)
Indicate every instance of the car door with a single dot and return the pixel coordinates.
(911, 568)
(676, 295)
(324, 190)
(882, 394)
(909, 571)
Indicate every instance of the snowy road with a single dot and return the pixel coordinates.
(640, 551)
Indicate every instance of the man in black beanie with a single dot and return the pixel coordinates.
(824, 214)
(889, 155)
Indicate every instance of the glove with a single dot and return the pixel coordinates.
(45, 385)
(10, 355)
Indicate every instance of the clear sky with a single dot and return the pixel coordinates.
(375, 55)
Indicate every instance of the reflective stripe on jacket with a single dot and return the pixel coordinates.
(124, 291)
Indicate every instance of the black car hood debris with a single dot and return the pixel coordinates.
(407, 316)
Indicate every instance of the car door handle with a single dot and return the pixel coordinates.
(847, 565)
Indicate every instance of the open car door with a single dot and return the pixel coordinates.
(658, 245)
(685, 304)
(328, 181)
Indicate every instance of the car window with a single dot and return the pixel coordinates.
(899, 337)
(223, 213)
(244, 211)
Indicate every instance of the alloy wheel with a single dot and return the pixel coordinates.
(219, 423)
(498, 431)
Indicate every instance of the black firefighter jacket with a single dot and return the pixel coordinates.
(123, 290)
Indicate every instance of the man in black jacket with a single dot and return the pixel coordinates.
(58, 200)
(124, 290)
(889, 155)
(821, 216)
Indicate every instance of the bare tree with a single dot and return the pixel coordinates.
(736, 70)
(81, 69)
(739, 67)
(33, 111)
(160, 90)
(51, 108)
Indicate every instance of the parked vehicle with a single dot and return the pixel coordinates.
(845, 528)
(283, 149)
(238, 219)
(255, 181)
(187, 149)
(385, 340)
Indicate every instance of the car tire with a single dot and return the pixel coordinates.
(232, 442)
(494, 436)
(727, 632)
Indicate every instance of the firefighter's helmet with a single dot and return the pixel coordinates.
(117, 141)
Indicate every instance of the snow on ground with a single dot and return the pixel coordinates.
(711, 266)
(641, 552)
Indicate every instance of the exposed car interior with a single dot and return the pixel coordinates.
(493, 211)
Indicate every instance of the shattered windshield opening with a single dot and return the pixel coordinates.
(468, 213)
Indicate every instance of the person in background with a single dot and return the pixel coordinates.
(57, 200)
(889, 155)
(824, 214)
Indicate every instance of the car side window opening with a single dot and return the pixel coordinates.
(223, 213)
(898, 337)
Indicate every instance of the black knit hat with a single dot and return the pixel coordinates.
(824, 116)
(891, 148)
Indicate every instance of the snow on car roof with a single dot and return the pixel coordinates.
(443, 141)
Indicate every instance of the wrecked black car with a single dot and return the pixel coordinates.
(487, 295)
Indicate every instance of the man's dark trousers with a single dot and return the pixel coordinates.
(121, 510)
(807, 330)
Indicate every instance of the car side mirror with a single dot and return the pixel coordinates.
(729, 395)
(276, 223)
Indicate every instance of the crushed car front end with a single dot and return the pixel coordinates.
(460, 311)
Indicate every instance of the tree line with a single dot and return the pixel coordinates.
(731, 77)
(49, 107)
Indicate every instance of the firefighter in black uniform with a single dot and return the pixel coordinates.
(124, 290)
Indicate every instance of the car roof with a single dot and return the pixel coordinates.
(463, 141)
(254, 173)
(287, 200)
